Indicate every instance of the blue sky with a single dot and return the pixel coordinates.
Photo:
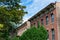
(34, 6)
(58, 0)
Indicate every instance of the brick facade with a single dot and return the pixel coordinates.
(23, 28)
(58, 18)
(47, 11)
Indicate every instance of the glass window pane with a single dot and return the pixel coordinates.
(48, 35)
(53, 34)
(42, 21)
(46, 20)
(52, 17)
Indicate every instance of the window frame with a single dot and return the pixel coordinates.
(47, 20)
(42, 21)
(52, 17)
(48, 35)
(53, 34)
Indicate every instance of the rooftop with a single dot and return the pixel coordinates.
(47, 8)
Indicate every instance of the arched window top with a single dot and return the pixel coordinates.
(46, 16)
(53, 34)
(52, 14)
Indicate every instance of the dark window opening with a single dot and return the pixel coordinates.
(47, 35)
(34, 24)
(53, 34)
(52, 17)
(42, 22)
(47, 20)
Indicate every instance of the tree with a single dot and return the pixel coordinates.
(34, 33)
(10, 12)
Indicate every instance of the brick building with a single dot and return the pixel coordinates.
(23, 28)
(50, 18)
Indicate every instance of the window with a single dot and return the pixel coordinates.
(34, 24)
(38, 24)
(52, 17)
(53, 34)
(42, 21)
(48, 35)
(47, 20)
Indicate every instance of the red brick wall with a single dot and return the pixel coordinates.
(50, 24)
(23, 28)
(58, 18)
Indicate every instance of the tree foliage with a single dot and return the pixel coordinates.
(10, 12)
(8, 0)
(35, 34)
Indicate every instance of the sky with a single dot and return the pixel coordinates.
(34, 6)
